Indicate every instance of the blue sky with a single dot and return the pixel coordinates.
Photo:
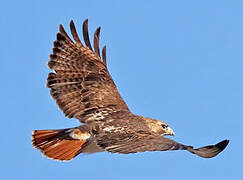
(177, 61)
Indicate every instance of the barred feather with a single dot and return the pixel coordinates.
(81, 81)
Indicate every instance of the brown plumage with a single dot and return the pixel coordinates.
(83, 88)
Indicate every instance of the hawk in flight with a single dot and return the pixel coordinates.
(83, 89)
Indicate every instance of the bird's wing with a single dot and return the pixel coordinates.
(125, 143)
(81, 83)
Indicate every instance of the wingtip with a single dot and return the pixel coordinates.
(98, 29)
(223, 144)
(71, 24)
(86, 20)
(61, 28)
(209, 151)
(85, 23)
(86, 34)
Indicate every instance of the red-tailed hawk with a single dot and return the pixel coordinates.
(83, 88)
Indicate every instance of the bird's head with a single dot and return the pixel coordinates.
(159, 127)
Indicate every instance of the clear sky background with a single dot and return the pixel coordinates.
(177, 61)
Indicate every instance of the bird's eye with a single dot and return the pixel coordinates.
(164, 126)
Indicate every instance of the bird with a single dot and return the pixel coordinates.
(83, 88)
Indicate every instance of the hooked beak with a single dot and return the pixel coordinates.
(170, 132)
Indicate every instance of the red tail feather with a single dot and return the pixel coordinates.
(62, 144)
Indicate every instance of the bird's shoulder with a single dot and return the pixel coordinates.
(121, 123)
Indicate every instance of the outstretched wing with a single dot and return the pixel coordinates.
(81, 83)
(124, 143)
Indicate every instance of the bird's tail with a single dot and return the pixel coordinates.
(209, 151)
(61, 144)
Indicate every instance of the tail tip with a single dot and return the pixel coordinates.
(57, 144)
(33, 139)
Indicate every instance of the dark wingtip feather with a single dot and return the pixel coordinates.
(56, 50)
(96, 41)
(60, 37)
(74, 33)
(86, 20)
(209, 151)
(61, 29)
(222, 145)
(86, 34)
(52, 56)
(50, 79)
(104, 55)
(97, 32)
(51, 64)
(56, 44)
(63, 32)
